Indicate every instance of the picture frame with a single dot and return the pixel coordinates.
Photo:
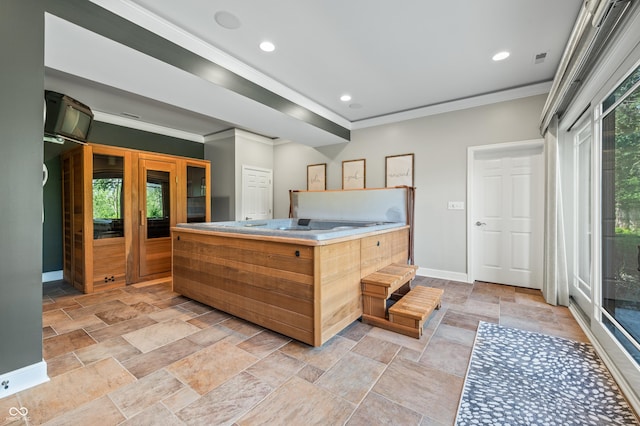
(398, 170)
(317, 177)
(354, 174)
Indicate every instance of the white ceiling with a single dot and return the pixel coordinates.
(392, 57)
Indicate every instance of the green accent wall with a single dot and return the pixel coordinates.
(104, 134)
(21, 85)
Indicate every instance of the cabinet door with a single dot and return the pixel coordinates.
(157, 214)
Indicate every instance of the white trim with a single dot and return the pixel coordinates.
(147, 127)
(24, 378)
(471, 153)
(443, 275)
(608, 362)
(52, 276)
(472, 102)
(234, 133)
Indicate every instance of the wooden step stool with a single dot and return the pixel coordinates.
(380, 285)
(412, 310)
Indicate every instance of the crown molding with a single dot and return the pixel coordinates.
(472, 102)
(146, 127)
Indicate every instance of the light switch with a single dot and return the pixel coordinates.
(456, 205)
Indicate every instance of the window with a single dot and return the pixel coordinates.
(108, 180)
(620, 124)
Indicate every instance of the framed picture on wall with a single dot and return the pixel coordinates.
(354, 174)
(317, 177)
(399, 170)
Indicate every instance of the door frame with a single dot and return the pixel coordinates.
(472, 152)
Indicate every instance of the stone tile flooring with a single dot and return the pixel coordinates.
(145, 355)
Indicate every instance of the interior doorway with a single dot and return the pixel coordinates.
(505, 217)
(257, 193)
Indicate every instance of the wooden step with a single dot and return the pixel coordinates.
(416, 306)
(380, 285)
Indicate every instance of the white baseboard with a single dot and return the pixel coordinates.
(51, 276)
(628, 393)
(443, 275)
(23, 378)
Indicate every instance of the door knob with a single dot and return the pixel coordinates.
(478, 223)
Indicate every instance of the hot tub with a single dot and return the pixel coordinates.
(298, 277)
(308, 229)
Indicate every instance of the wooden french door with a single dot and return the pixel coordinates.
(157, 214)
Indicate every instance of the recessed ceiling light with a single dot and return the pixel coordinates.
(267, 46)
(227, 20)
(501, 56)
(345, 98)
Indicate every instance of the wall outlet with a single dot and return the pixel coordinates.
(456, 205)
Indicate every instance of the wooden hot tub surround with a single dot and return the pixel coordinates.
(303, 288)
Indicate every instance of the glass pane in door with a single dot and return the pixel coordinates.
(196, 194)
(108, 205)
(621, 219)
(158, 204)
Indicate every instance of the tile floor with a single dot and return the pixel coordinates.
(144, 355)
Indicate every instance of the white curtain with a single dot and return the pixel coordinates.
(555, 287)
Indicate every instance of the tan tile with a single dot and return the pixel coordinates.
(121, 328)
(209, 336)
(108, 306)
(156, 415)
(64, 343)
(47, 332)
(476, 307)
(173, 301)
(61, 303)
(351, 377)
(355, 331)
(180, 399)
(534, 299)
(127, 312)
(73, 389)
(264, 343)
(276, 368)
(465, 320)
(100, 297)
(173, 312)
(62, 364)
(377, 410)
(241, 326)
(137, 396)
(226, 403)
(527, 312)
(211, 366)
(427, 391)
(209, 319)
(321, 357)
(88, 323)
(116, 347)
(299, 402)
(376, 349)
(152, 337)
(417, 345)
(446, 355)
(310, 373)
(102, 411)
(54, 316)
(196, 307)
(458, 335)
(409, 354)
(146, 363)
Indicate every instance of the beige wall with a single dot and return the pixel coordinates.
(440, 144)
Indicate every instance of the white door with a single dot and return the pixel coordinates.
(257, 193)
(508, 217)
